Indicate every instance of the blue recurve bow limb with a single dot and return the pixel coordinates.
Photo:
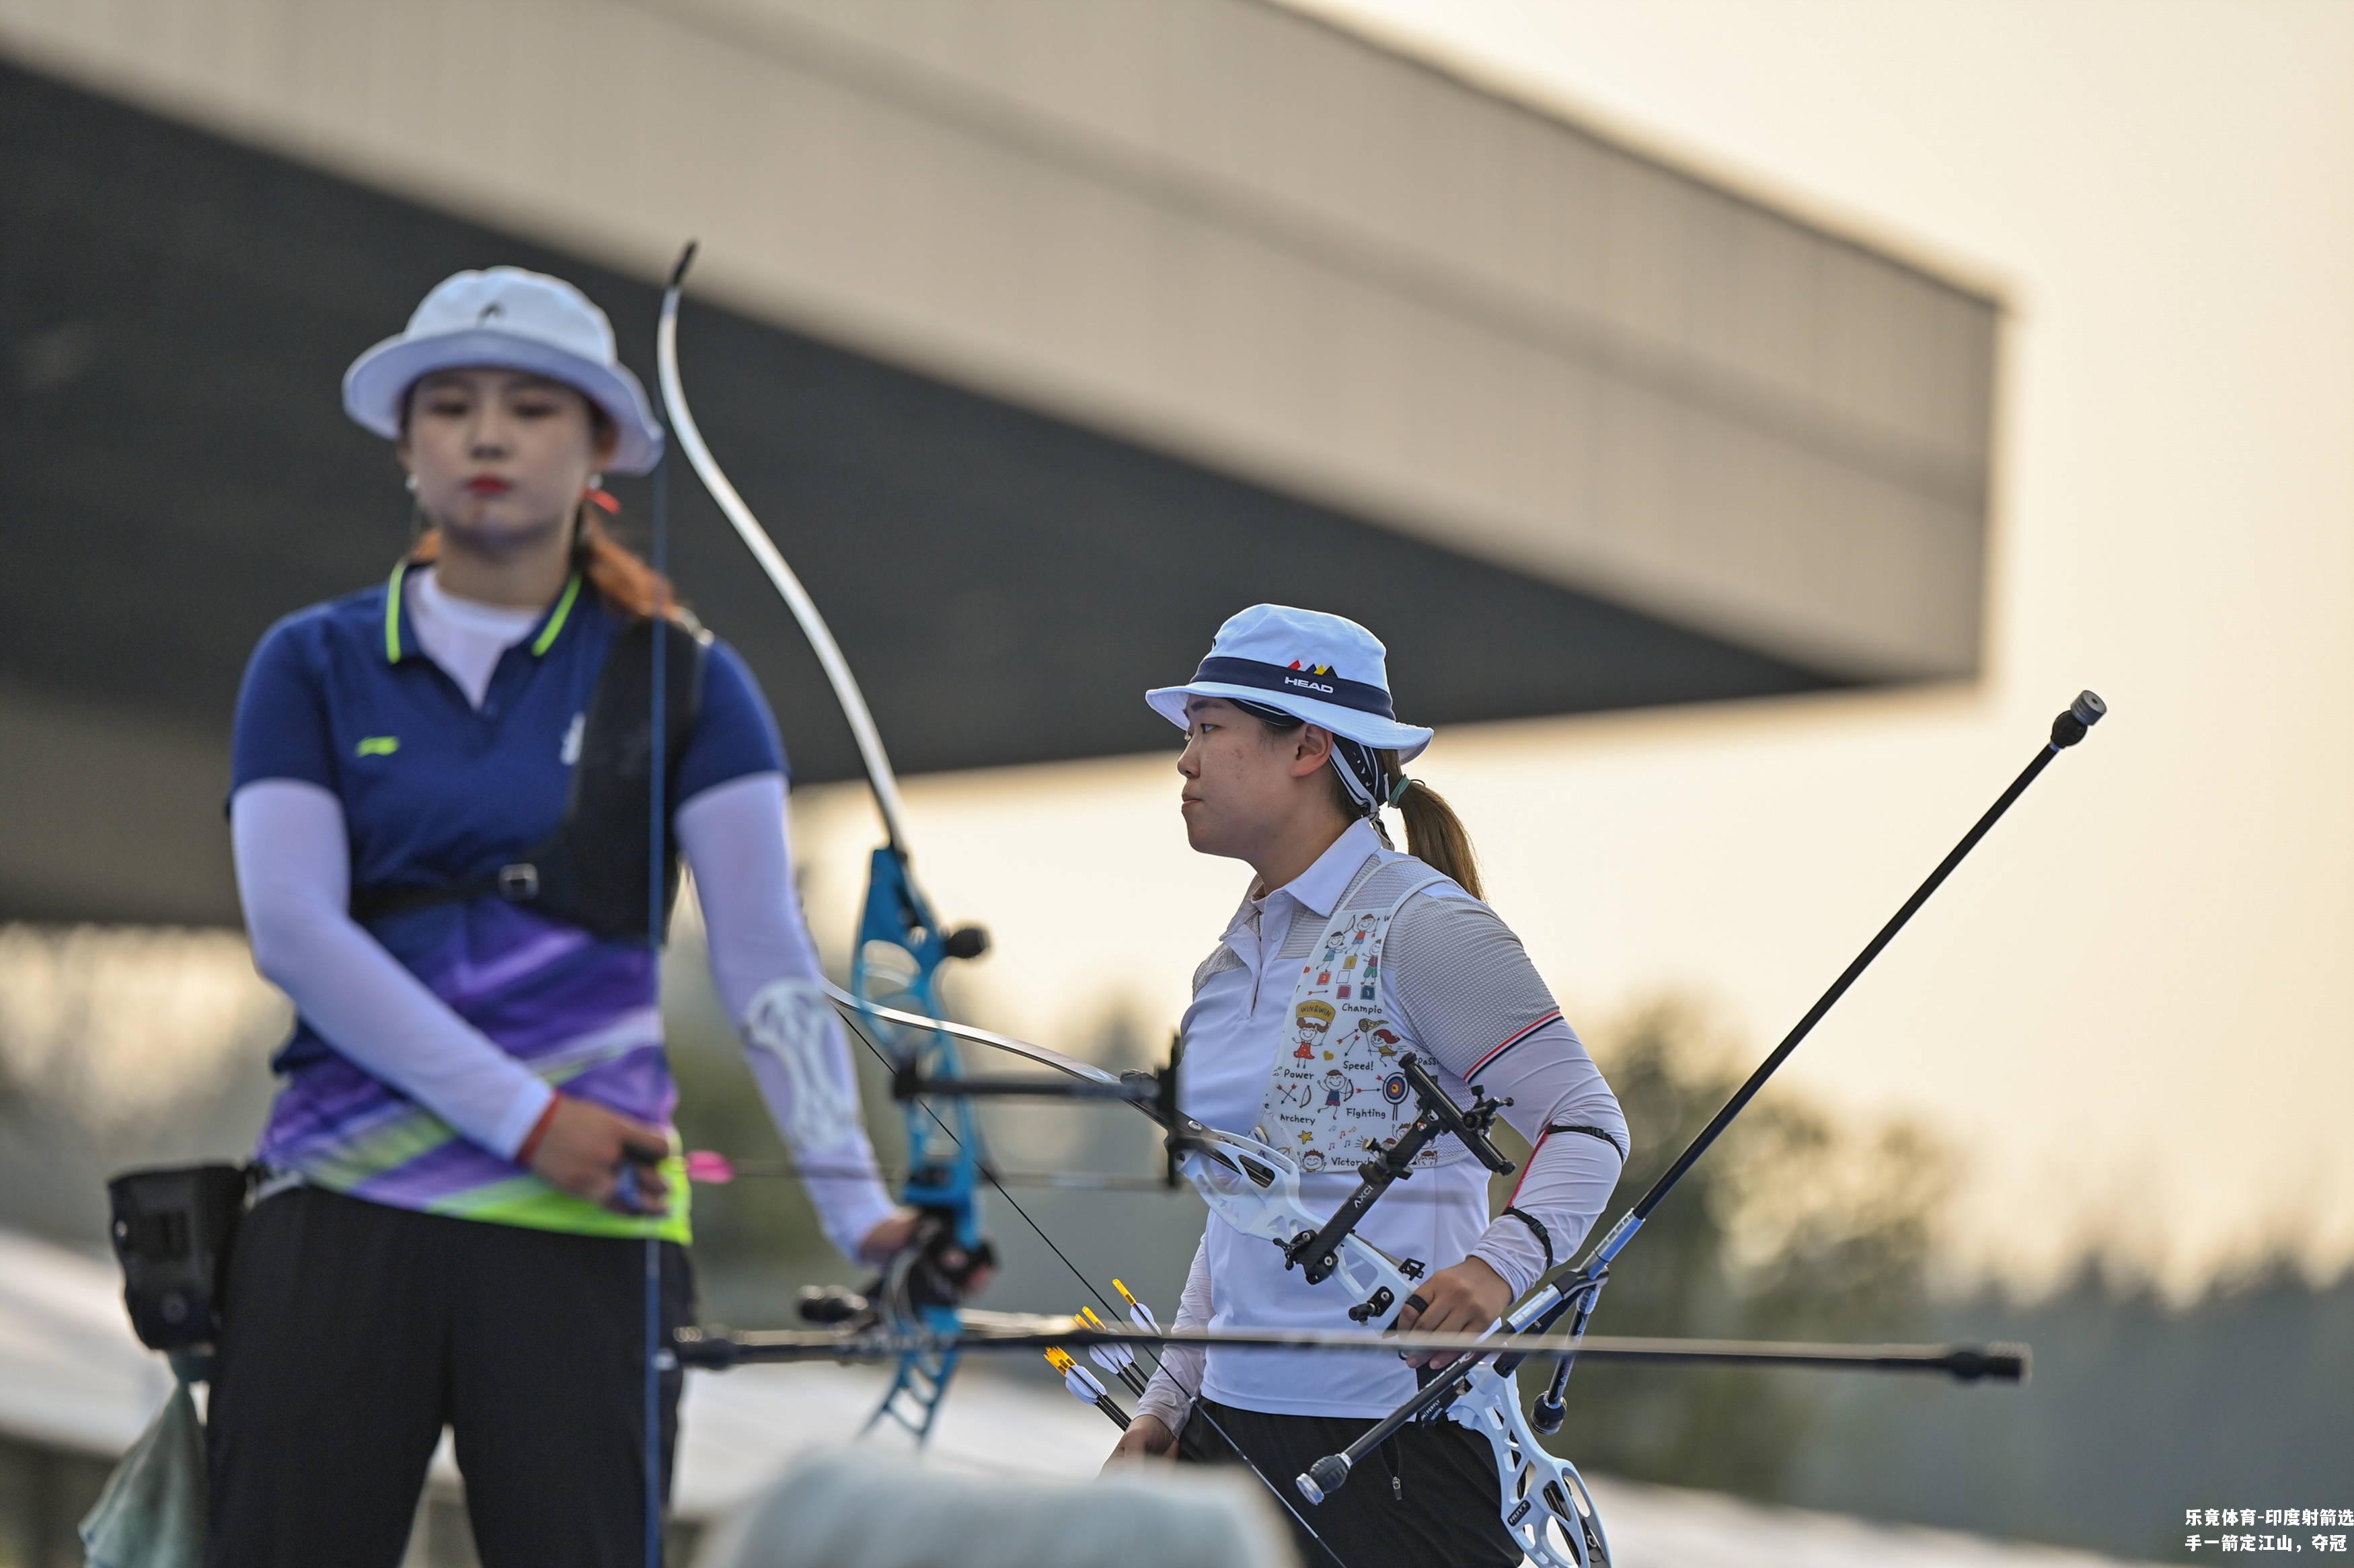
(901, 943)
(900, 949)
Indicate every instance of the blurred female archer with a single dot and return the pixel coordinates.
(440, 817)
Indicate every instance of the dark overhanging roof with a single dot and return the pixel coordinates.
(1004, 582)
(177, 472)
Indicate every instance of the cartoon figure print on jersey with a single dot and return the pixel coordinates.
(1338, 1091)
(1372, 1046)
(1312, 1022)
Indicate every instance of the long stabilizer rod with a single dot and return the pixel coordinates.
(2066, 731)
(1573, 1284)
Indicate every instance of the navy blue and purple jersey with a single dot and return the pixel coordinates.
(437, 791)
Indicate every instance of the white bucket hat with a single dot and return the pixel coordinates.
(1323, 669)
(516, 321)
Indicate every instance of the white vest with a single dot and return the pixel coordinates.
(1338, 1086)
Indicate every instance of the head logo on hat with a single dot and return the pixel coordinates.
(509, 319)
(1290, 659)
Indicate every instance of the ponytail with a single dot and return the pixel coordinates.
(1434, 833)
(619, 572)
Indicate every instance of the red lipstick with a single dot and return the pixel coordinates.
(487, 485)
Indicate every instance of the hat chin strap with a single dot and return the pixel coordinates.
(1360, 768)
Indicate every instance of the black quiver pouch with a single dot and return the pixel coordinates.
(172, 1230)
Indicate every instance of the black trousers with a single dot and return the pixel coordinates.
(1425, 1498)
(355, 1332)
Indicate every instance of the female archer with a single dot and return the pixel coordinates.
(441, 818)
(1291, 753)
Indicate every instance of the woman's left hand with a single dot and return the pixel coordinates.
(1460, 1301)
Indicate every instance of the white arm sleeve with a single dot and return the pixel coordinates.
(293, 876)
(1479, 1007)
(1561, 1103)
(766, 969)
(1169, 1395)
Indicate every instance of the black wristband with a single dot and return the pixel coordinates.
(1603, 1133)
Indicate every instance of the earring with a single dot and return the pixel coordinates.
(411, 482)
(596, 482)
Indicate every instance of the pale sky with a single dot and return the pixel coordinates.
(2130, 1008)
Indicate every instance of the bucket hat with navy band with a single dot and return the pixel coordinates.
(514, 320)
(1323, 669)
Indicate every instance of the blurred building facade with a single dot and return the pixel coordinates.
(1045, 335)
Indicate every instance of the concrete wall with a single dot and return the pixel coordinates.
(1214, 225)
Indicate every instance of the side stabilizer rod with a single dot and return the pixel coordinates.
(721, 1347)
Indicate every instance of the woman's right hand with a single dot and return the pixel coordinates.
(581, 1151)
(1146, 1438)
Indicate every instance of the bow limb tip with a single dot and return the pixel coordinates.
(685, 260)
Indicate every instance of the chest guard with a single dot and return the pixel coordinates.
(592, 871)
(1338, 1091)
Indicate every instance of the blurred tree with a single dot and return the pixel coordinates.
(2141, 1409)
(122, 1047)
(1792, 1227)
